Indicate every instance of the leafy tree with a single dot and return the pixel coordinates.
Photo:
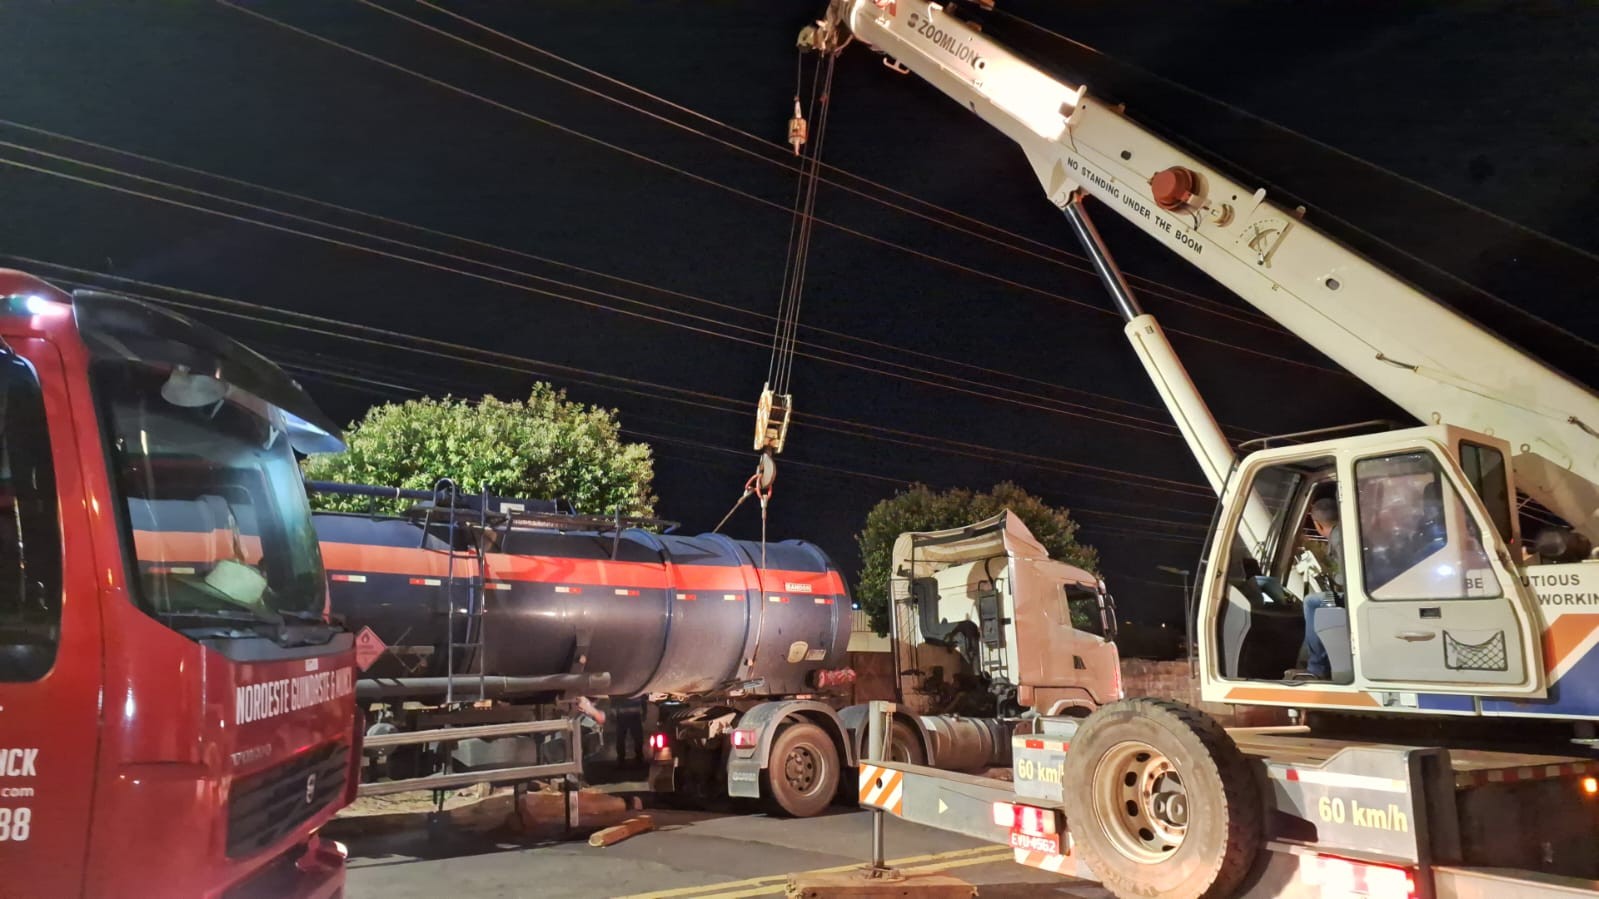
(545, 447)
(922, 509)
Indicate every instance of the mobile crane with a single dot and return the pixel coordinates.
(1441, 618)
(177, 710)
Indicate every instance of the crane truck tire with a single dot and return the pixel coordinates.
(802, 771)
(1161, 802)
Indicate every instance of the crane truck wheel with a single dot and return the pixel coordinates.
(801, 771)
(1160, 801)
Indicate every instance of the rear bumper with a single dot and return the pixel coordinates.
(310, 870)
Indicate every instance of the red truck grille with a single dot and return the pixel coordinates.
(265, 807)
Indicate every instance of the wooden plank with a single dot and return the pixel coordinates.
(631, 827)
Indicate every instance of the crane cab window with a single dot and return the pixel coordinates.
(1485, 471)
(1418, 539)
(30, 541)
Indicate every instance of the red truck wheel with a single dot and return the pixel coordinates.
(801, 771)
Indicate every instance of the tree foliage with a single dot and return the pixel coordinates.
(544, 447)
(922, 509)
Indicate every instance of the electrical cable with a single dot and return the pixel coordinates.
(523, 365)
(869, 364)
(1052, 256)
(840, 335)
(698, 178)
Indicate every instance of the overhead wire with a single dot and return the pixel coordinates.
(946, 217)
(729, 307)
(345, 331)
(871, 364)
(711, 182)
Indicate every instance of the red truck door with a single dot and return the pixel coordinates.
(50, 658)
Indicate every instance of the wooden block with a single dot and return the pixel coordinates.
(631, 827)
(857, 885)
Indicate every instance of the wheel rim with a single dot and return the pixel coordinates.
(1140, 801)
(800, 768)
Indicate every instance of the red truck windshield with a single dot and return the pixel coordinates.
(215, 507)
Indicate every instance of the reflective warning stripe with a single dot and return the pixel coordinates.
(824, 601)
(425, 582)
(1336, 779)
(687, 597)
(882, 788)
(1480, 777)
(777, 599)
(496, 585)
(1046, 743)
(623, 591)
(568, 589)
(348, 578)
(731, 597)
(1045, 861)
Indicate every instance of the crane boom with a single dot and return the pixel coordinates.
(1432, 362)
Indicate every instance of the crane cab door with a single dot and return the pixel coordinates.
(50, 660)
(1435, 604)
(1411, 593)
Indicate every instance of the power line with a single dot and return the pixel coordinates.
(522, 365)
(869, 364)
(711, 182)
(559, 264)
(1013, 239)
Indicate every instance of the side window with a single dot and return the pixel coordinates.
(1083, 609)
(1485, 471)
(1417, 539)
(30, 541)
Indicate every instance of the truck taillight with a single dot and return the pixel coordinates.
(657, 741)
(1590, 785)
(1035, 821)
(1341, 878)
(743, 738)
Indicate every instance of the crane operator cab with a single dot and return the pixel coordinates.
(1389, 552)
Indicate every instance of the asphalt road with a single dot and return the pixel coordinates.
(690, 854)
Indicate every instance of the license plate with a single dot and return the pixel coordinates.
(1034, 843)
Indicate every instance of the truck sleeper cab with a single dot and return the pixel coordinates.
(174, 702)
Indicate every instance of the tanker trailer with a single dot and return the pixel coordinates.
(492, 611)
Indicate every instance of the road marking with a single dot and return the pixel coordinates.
(769, 882)
(781, 886)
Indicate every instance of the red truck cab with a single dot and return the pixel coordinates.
(177, 710)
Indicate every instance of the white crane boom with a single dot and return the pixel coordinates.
(1434, 363)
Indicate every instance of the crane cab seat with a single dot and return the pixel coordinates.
(1332, 626)
(1261, 629)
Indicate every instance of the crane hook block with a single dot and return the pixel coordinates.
(797, 129)
(771, 420)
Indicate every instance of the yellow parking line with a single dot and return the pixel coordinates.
(775, 888)
(767, 884)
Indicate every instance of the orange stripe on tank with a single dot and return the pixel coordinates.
(364, 557)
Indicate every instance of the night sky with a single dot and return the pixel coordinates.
(637, 264)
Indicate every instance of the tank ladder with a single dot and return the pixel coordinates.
(470, 645)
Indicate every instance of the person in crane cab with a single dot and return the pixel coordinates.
(1324, 517)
